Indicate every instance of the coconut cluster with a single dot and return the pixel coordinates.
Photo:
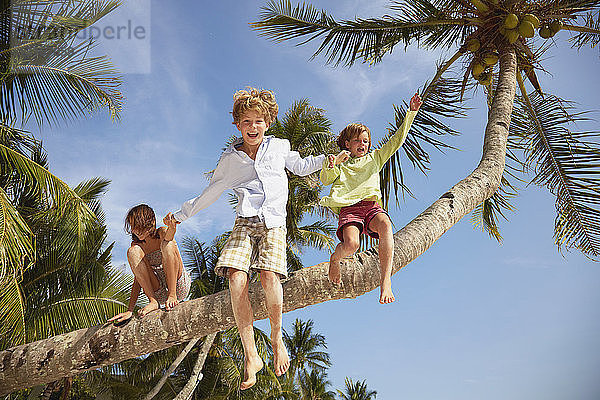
(483, 62)
(525, 26)
(502, 16)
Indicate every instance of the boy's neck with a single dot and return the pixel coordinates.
(251, 150)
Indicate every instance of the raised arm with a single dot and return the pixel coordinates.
(219, 182)
(397, 139)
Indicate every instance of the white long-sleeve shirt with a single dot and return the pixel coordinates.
(261, 185)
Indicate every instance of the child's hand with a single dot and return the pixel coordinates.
(121, 317)
(170, 221)
(342, 156)
(415, 102)
(331, 160)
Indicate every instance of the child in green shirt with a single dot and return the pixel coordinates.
(355, 195)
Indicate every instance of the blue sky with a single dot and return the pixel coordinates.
(472, 319)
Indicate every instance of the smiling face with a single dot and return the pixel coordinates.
(253, 126)
(359, 144)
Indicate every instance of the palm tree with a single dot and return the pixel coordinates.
(313, 386)
(357, 391)
(44, 74)
(69, 285)
(303, 346)
(484, 32)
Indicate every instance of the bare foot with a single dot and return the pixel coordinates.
(334, 272)
(152, 306)
(171, 303)
(251, 366)
(386, 292)
(282, 360)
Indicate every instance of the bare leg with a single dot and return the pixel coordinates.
(382, 225)
(173, 266)
(350, 244)
(145, 276)
(274, 295)
(242, 312)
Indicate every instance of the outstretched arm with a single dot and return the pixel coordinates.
(302, 166)
(219, 182)
(397, 139)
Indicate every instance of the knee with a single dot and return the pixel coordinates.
(168, 247)
(135, 252)
(237, 279)
(352, 244)
(268, 278)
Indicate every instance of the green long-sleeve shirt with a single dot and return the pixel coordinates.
(358, 178)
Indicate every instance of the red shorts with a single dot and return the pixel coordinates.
(359, 214)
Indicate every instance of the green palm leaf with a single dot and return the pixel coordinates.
(487, 214)
(591, 36)
(44, 72)
(443, 101)
(566, 163)
(12, 314)
(366, 39)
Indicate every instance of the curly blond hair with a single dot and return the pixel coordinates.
(262, 101)
(350, 132)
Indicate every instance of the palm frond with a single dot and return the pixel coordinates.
(12, 314)
(566, 163)
(443, 101)
(348, 41)
(591, 35)
(487, 214)
(17, 242)
(45, 73)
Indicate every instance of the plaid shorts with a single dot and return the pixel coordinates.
(253, 245)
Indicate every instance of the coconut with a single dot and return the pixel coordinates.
(526, 29)
(533, 19)
(512, 35)
(511, 21)
(502, 30)
(473, 45)
(478, 69)
(545, 32)
(490, 59)
(485, 78)
(555, 27)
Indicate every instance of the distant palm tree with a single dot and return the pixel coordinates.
(479, 33)
(304, 349)
(314, 385)
(357, 391)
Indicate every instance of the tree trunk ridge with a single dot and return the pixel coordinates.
(68, 354)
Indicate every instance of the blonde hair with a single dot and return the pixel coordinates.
(261, 101)
(350, 132)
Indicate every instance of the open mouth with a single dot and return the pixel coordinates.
(252, 135)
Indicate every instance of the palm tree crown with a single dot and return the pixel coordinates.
(479, 33)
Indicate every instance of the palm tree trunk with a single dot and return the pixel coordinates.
(171, 369)
(69, 354)
(196, 376)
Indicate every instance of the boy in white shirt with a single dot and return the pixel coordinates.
(254, 168)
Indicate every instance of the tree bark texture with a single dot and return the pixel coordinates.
(74, 352)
